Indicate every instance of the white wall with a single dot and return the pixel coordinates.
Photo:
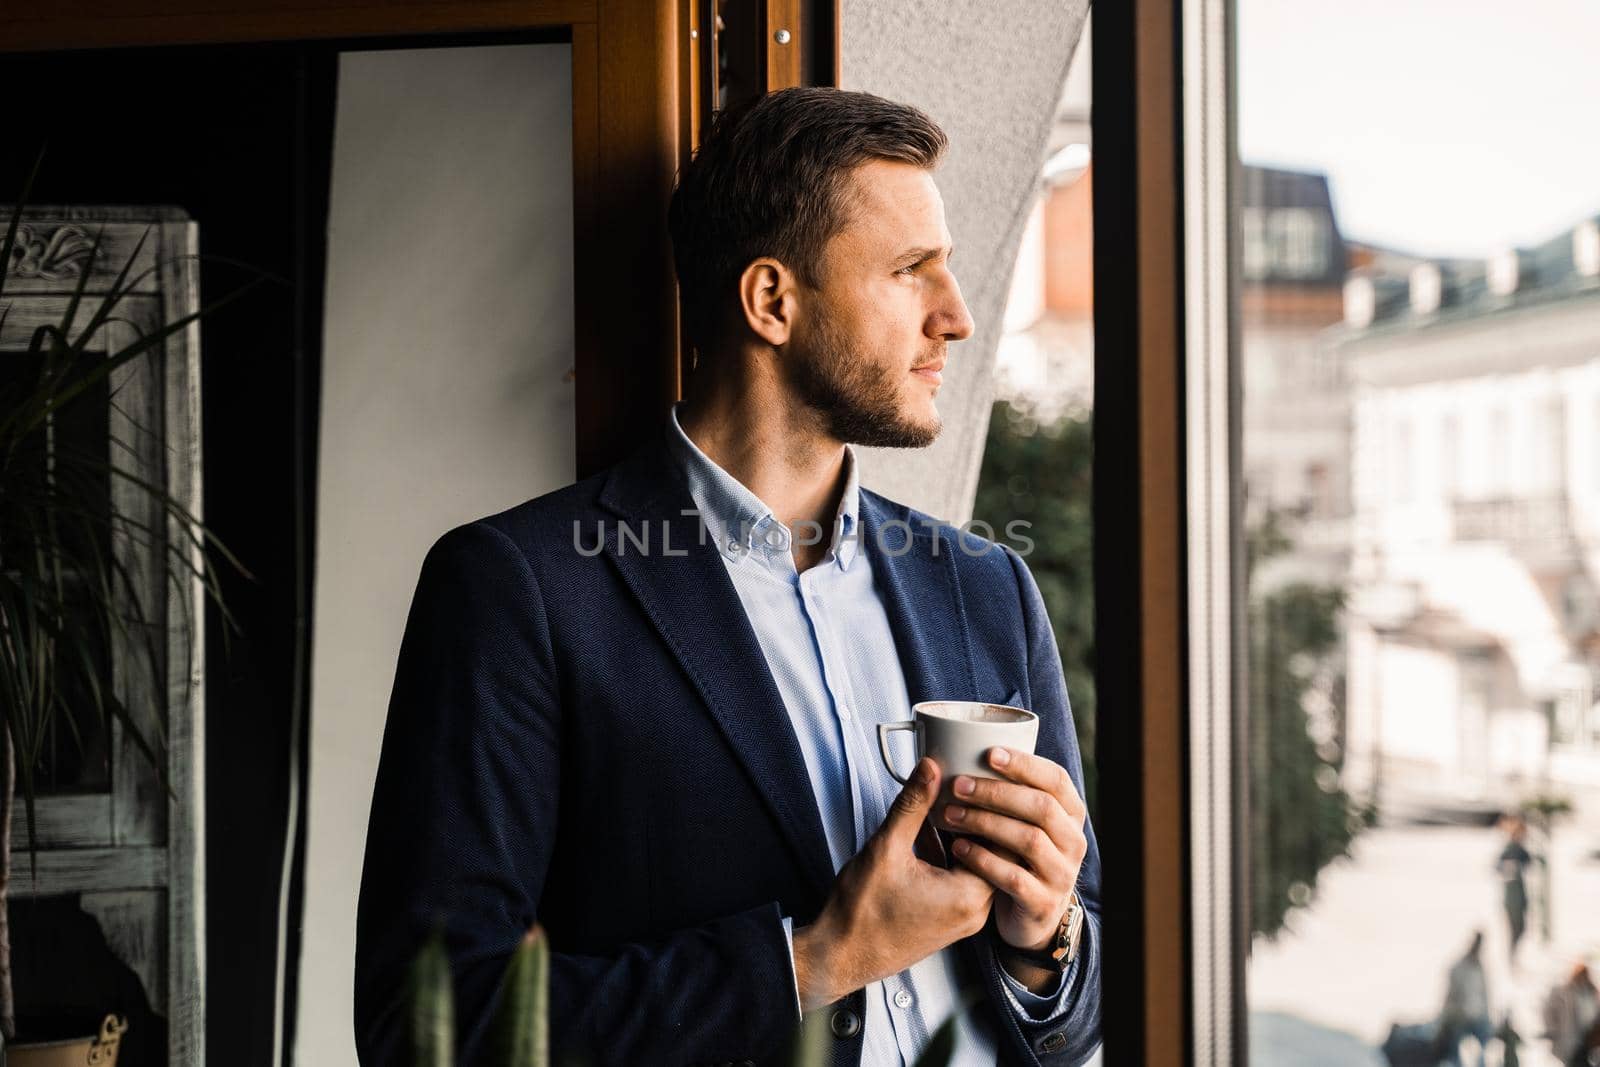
(447, 339)
(991, 74)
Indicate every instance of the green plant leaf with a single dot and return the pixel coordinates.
(814, 1040)
(432, 1005)
(78, 290)
(520, 1031)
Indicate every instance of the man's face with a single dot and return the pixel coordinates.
(867, 349)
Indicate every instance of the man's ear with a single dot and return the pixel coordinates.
(768, 297)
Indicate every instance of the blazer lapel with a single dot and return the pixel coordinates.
(685, 591)
(922, 599)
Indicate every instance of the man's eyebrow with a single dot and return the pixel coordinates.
(913, 257)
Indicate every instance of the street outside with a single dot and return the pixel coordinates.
(1374, 946)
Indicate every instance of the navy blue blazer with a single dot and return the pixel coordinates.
(587, 735)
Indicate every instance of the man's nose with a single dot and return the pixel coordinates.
(951, 320)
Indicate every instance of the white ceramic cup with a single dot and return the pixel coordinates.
(958, 735)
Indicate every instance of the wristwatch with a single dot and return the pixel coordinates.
(1063, 949)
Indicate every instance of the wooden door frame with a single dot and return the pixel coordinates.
(625, 149)
(626, 114)
(635, 119)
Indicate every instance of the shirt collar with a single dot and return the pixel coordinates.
(737, 521)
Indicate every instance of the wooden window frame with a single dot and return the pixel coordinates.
(1166, 391)
(1168, 534)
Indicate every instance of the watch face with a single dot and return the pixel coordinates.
(1072, 931)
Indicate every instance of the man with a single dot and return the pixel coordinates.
(641, 710)
(1466, 1006)
(1512, 864)
(1571, 1011)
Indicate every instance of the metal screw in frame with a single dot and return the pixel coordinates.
(782, 37)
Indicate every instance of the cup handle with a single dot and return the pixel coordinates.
(884, 730)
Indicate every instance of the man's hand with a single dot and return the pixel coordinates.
(888, 909)
(1031, 821)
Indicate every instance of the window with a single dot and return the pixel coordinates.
(1450, 457)
(1499, 446)
(1400, 461)
(1393, 708)
(1551, 433)
(1594, 452)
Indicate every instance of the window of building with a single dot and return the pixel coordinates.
(1450, 456)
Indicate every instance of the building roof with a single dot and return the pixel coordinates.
(1291, 233)
(1381, 298)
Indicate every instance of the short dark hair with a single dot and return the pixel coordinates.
(771, 179)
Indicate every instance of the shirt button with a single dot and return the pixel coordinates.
(902, 999)
(735, 547)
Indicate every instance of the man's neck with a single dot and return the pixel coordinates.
(774, 448)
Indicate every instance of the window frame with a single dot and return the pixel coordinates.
(1169, 619)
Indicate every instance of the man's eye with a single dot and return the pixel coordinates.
(907, 270)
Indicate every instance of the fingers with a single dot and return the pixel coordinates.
(1017, 841)
(1025, 768)
(1059, 813)
(911, 807)
(1036, 900)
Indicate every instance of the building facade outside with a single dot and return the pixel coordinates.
(1473, 627)
(1296, 399)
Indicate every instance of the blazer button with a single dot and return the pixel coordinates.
(846, 1023)
(1053, 1042)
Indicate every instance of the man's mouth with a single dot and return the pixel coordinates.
(930, 372)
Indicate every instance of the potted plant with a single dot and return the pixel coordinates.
(519, 1032)
(65, 597)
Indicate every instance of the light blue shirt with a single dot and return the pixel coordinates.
(827, 641)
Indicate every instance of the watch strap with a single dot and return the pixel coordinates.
(1063, 948)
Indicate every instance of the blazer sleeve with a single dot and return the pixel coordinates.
(463, 822)
(1070, 1033)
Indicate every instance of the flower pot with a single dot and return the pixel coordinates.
(94, 1051)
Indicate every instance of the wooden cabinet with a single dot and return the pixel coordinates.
(107, 831)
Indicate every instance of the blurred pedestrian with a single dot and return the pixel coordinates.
(1466, 1006)
(1570, 1012)
(1513, 862)
(1588, 1055)
(1510, 1043)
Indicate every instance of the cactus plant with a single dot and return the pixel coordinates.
(520, 1034)
(433, 1023)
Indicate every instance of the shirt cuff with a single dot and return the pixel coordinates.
(788, 936)
(1040, 1008)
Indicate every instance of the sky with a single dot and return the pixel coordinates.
(1446, 127)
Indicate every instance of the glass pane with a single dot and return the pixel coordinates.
(1420, 351)
(1035, 480)
(1036, 469)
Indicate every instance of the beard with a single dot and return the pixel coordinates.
(856, 398)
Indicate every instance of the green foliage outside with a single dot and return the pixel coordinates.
(1301, 819)
(1041, 474)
